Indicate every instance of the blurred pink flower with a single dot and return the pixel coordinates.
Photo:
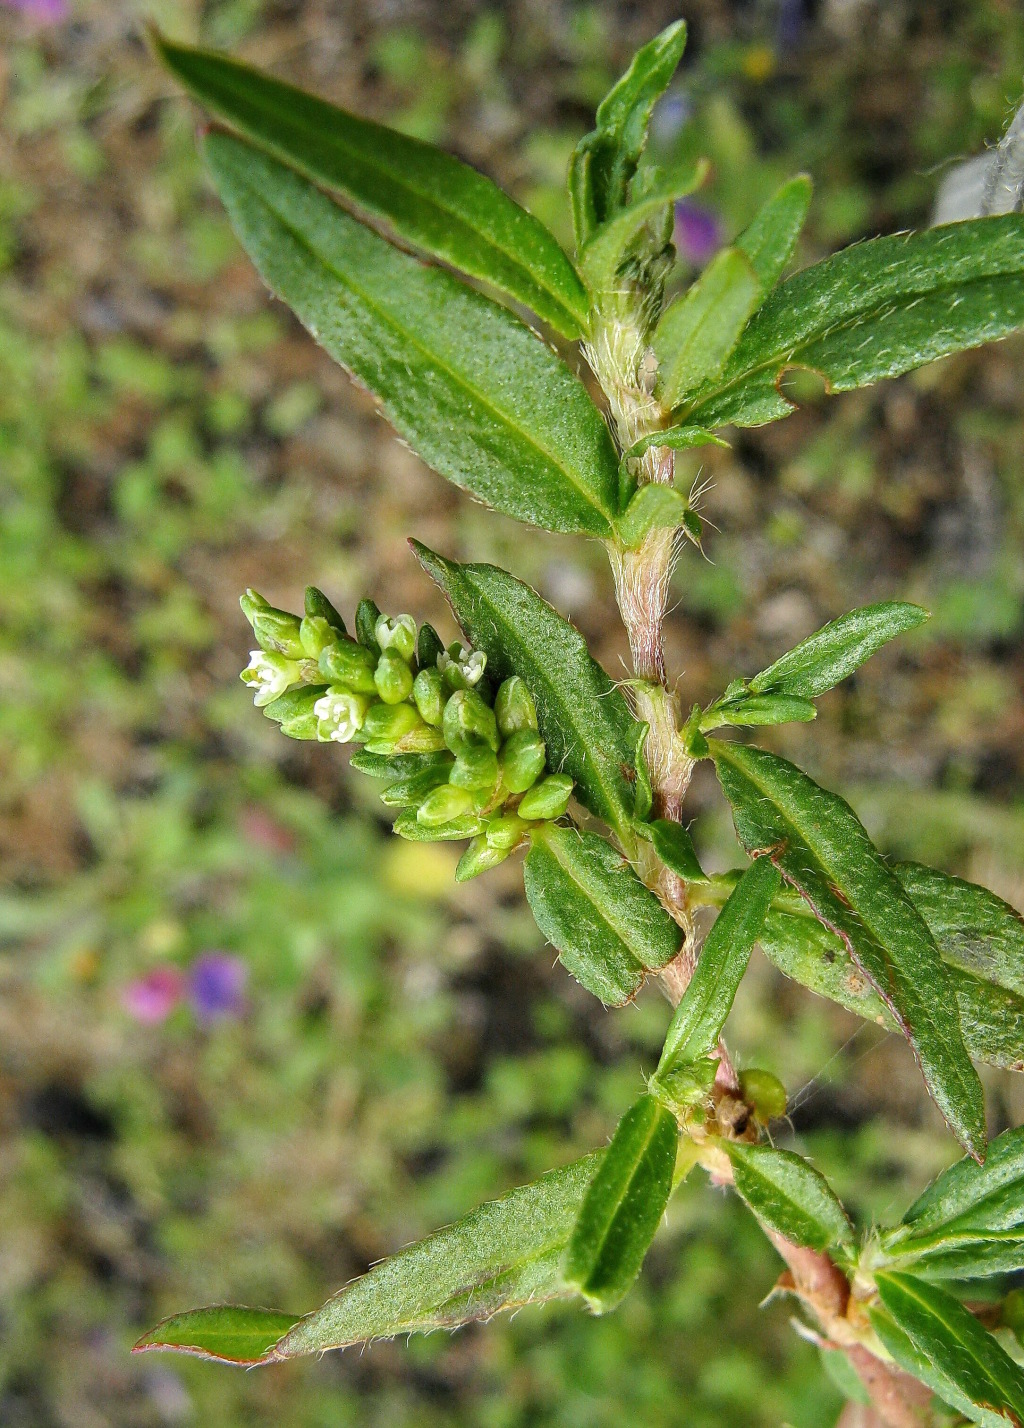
(216, 986)
(44, 12)
(698, 233)
(150, 999)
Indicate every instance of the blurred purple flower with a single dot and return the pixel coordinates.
(150, 999)
(670, 115)
(44, 12)
(789, 25)
(698, 233)
(216, 986)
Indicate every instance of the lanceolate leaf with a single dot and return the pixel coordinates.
(700, 1016)
(472, 389)
(875, 310)
(770, 239)
(789, 1196)
(678, 438)
(624, 1205)
(674, 847)
(948, 1350)
(606, 159)
(230, 1333)
(975, 930)
(837, 649)
(991, 1017)
(699, 330)
(589, 731)
(610, 931)
(501, 1255)
(426, 197)
(821, 848)
(758, 710)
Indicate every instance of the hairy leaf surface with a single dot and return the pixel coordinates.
(822, 849)
(837, 649)
(589, 731)
(610, 931)
(789, 1195)
(428, 198)
(770, 238)
(471, 389)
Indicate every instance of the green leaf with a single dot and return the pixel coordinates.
(697, 332)
(837, 649)
(758, 710)
(949, 1350)
(991, 1017)
(707, 1001)
(472, 389)
(609, 246)
(789, 1196)
(770, 239)
(503, 1254)
(975, 930)
(230, 1333)
(875, 310)
(624, 1206)
(427, 198)
(822, 849)
(610, 931)
(643, 797)
(676, 438)
(674, 847)
(605, 160)
(652, 506)
(586, 724)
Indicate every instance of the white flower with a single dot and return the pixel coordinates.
(269, 675)
(470, 663)
(398, 634)
(341, 714)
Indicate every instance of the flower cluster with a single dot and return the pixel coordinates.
(462, 759)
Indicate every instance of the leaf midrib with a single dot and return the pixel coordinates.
(401, 181)
(786, 354)
(458, 381)
(619, 930)
(627, 1187)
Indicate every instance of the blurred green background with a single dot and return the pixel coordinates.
(397, 1053)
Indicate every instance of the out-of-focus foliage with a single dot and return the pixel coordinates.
(166, 439)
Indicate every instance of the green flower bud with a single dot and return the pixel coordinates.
(476, 768)
(406, 825)
(430, 696)
(318, 605)
(461, 666)
(296, 712)
(350, 664)
(316, 635)
(468, 720)
(252, 602)
(410, 792)
(367, 615)
(269, 675)
(428, 647)
(764, 1093)
(398, 634)
(444, 804)
(276, 630)
(398, 728)
(340, 713)
(393, 677)
(547, 799)
(523, 756)
(514, 708)
(506, 832)
(478, 858)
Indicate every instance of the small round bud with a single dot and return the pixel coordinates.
(430, 696)
(514, 708)
(428, 647)
(340, 714)
(269, 675)
(397, 634)
(393, 677)
(367, 615)
(764, 1093)
(461, 666)
(523, 756)
(468, 720)
(506, 832)
(350, 664)
(547, 799)
(398, 728)
(317, 603)
(316, 635)
(476, 768)
(444, 804)
(478, 858)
